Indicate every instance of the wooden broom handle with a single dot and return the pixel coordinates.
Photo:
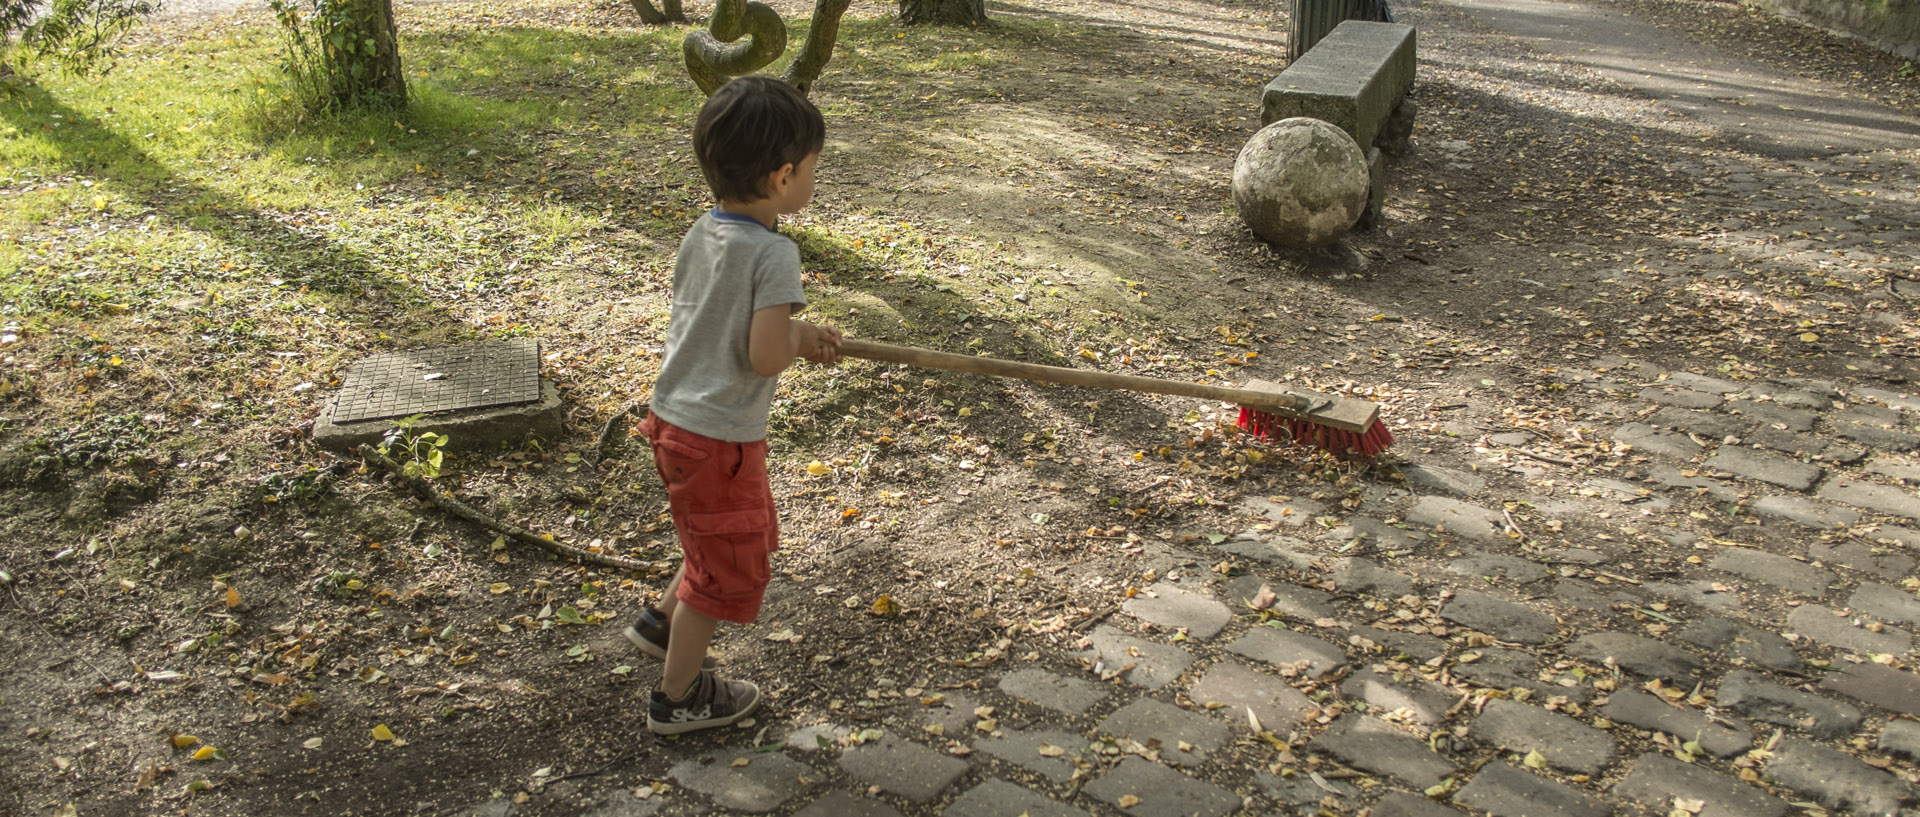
(1038, 373)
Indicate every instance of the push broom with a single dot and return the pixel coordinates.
(1342, 425)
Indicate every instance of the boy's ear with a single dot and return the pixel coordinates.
(778, 178)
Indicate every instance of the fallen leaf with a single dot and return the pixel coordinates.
(1050, 750)
(1128, 801)
(1535, 760)
(233, 597)
(182, 741)
(382, 733)
(312, 743)
(739, 762)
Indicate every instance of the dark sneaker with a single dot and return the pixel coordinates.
(710, 702)
(649, 633)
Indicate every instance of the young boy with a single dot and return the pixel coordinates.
(736, 288)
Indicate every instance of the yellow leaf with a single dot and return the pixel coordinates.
(1809, 337)
(740, 761)
(498, 588)
(382, 733)
(233, 597)
(1050, 750)
(1128, 801)
(818, 468)
(114, 361)
(99, 202)
(886, 606)
(1535, 760)
(182, 741)
(206, 753)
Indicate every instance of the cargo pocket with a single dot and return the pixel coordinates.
(742, 538)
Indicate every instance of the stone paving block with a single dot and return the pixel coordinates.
(1302, 790)
(1637, 654)
(1283, 648)
(1901, 738)
(1504, 790)
(1747, 463)
(767, 781)
(1671, 477)
(1291, 512)
(1419, 701)
(1780, 571)
(1405, 804)
(1641, 498)
(1702, 593)
(1163, 792)
(1375, 746)
(1374, 534)
(1646, 438)
(1443, 480)
(1506, 669)
(840, 804)
(1507, 569)
(1176, 607)
(808, 738)
(1828, 626)
(1389, 643)
(1874, 497)
(954, 714)
(1897, 401)
(1566, 743)
(1656, 781)
(1903, 469)
(1896, 535)
(1886, 602)
(1865, 558)
(1836, 780)
(1165, 727)
(1152, 665)
(1869, 430)
(1463, 519)
(1639, 709)
(1885, 687)
(1060, 693)
(1681, 397)
(1499, 618)
(1791, 419)
(1362, 576)
(1590, 596)
(1812, 513)
(1240, 688)
(1749, 694)
(902, 767)
(1699, 382)
(1290, 600)
(1762, 647)
(1792, 396)
(1284, 551)
(1024, 749)
(1706, 424)
(999, 798)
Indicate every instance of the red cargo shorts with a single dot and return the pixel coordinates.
(722, 507)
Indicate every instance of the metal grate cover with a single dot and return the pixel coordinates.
(446, 378)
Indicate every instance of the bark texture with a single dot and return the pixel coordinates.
(669, 11)
(719, 53)
(818, 49)
(363, 54)
(943, 12)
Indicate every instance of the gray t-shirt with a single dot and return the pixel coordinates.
(729, 267)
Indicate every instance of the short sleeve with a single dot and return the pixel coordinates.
(776, 279)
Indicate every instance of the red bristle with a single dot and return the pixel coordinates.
(1305, 432)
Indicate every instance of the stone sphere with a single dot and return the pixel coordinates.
(1300, 182)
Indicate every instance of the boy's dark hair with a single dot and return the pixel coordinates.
(749, 128)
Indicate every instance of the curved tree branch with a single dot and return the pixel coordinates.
(818, 49)
(717, 54)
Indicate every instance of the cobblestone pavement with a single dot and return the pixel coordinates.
(1671, 666)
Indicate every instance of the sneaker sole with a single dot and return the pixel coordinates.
(684, 727)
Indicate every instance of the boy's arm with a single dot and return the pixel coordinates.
(775, 338)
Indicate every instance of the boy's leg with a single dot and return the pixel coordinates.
(692, 632)
(670, 598)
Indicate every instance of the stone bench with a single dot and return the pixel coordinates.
(1357, 78)
(1354, 77)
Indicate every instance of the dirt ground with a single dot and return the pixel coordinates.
(363, 654)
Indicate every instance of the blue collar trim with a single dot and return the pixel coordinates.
(722, 215)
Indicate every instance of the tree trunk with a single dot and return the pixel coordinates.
(813, 57)
(668, 12)
(943, 12)
(363, 55)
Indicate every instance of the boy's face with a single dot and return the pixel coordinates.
(792, 196)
